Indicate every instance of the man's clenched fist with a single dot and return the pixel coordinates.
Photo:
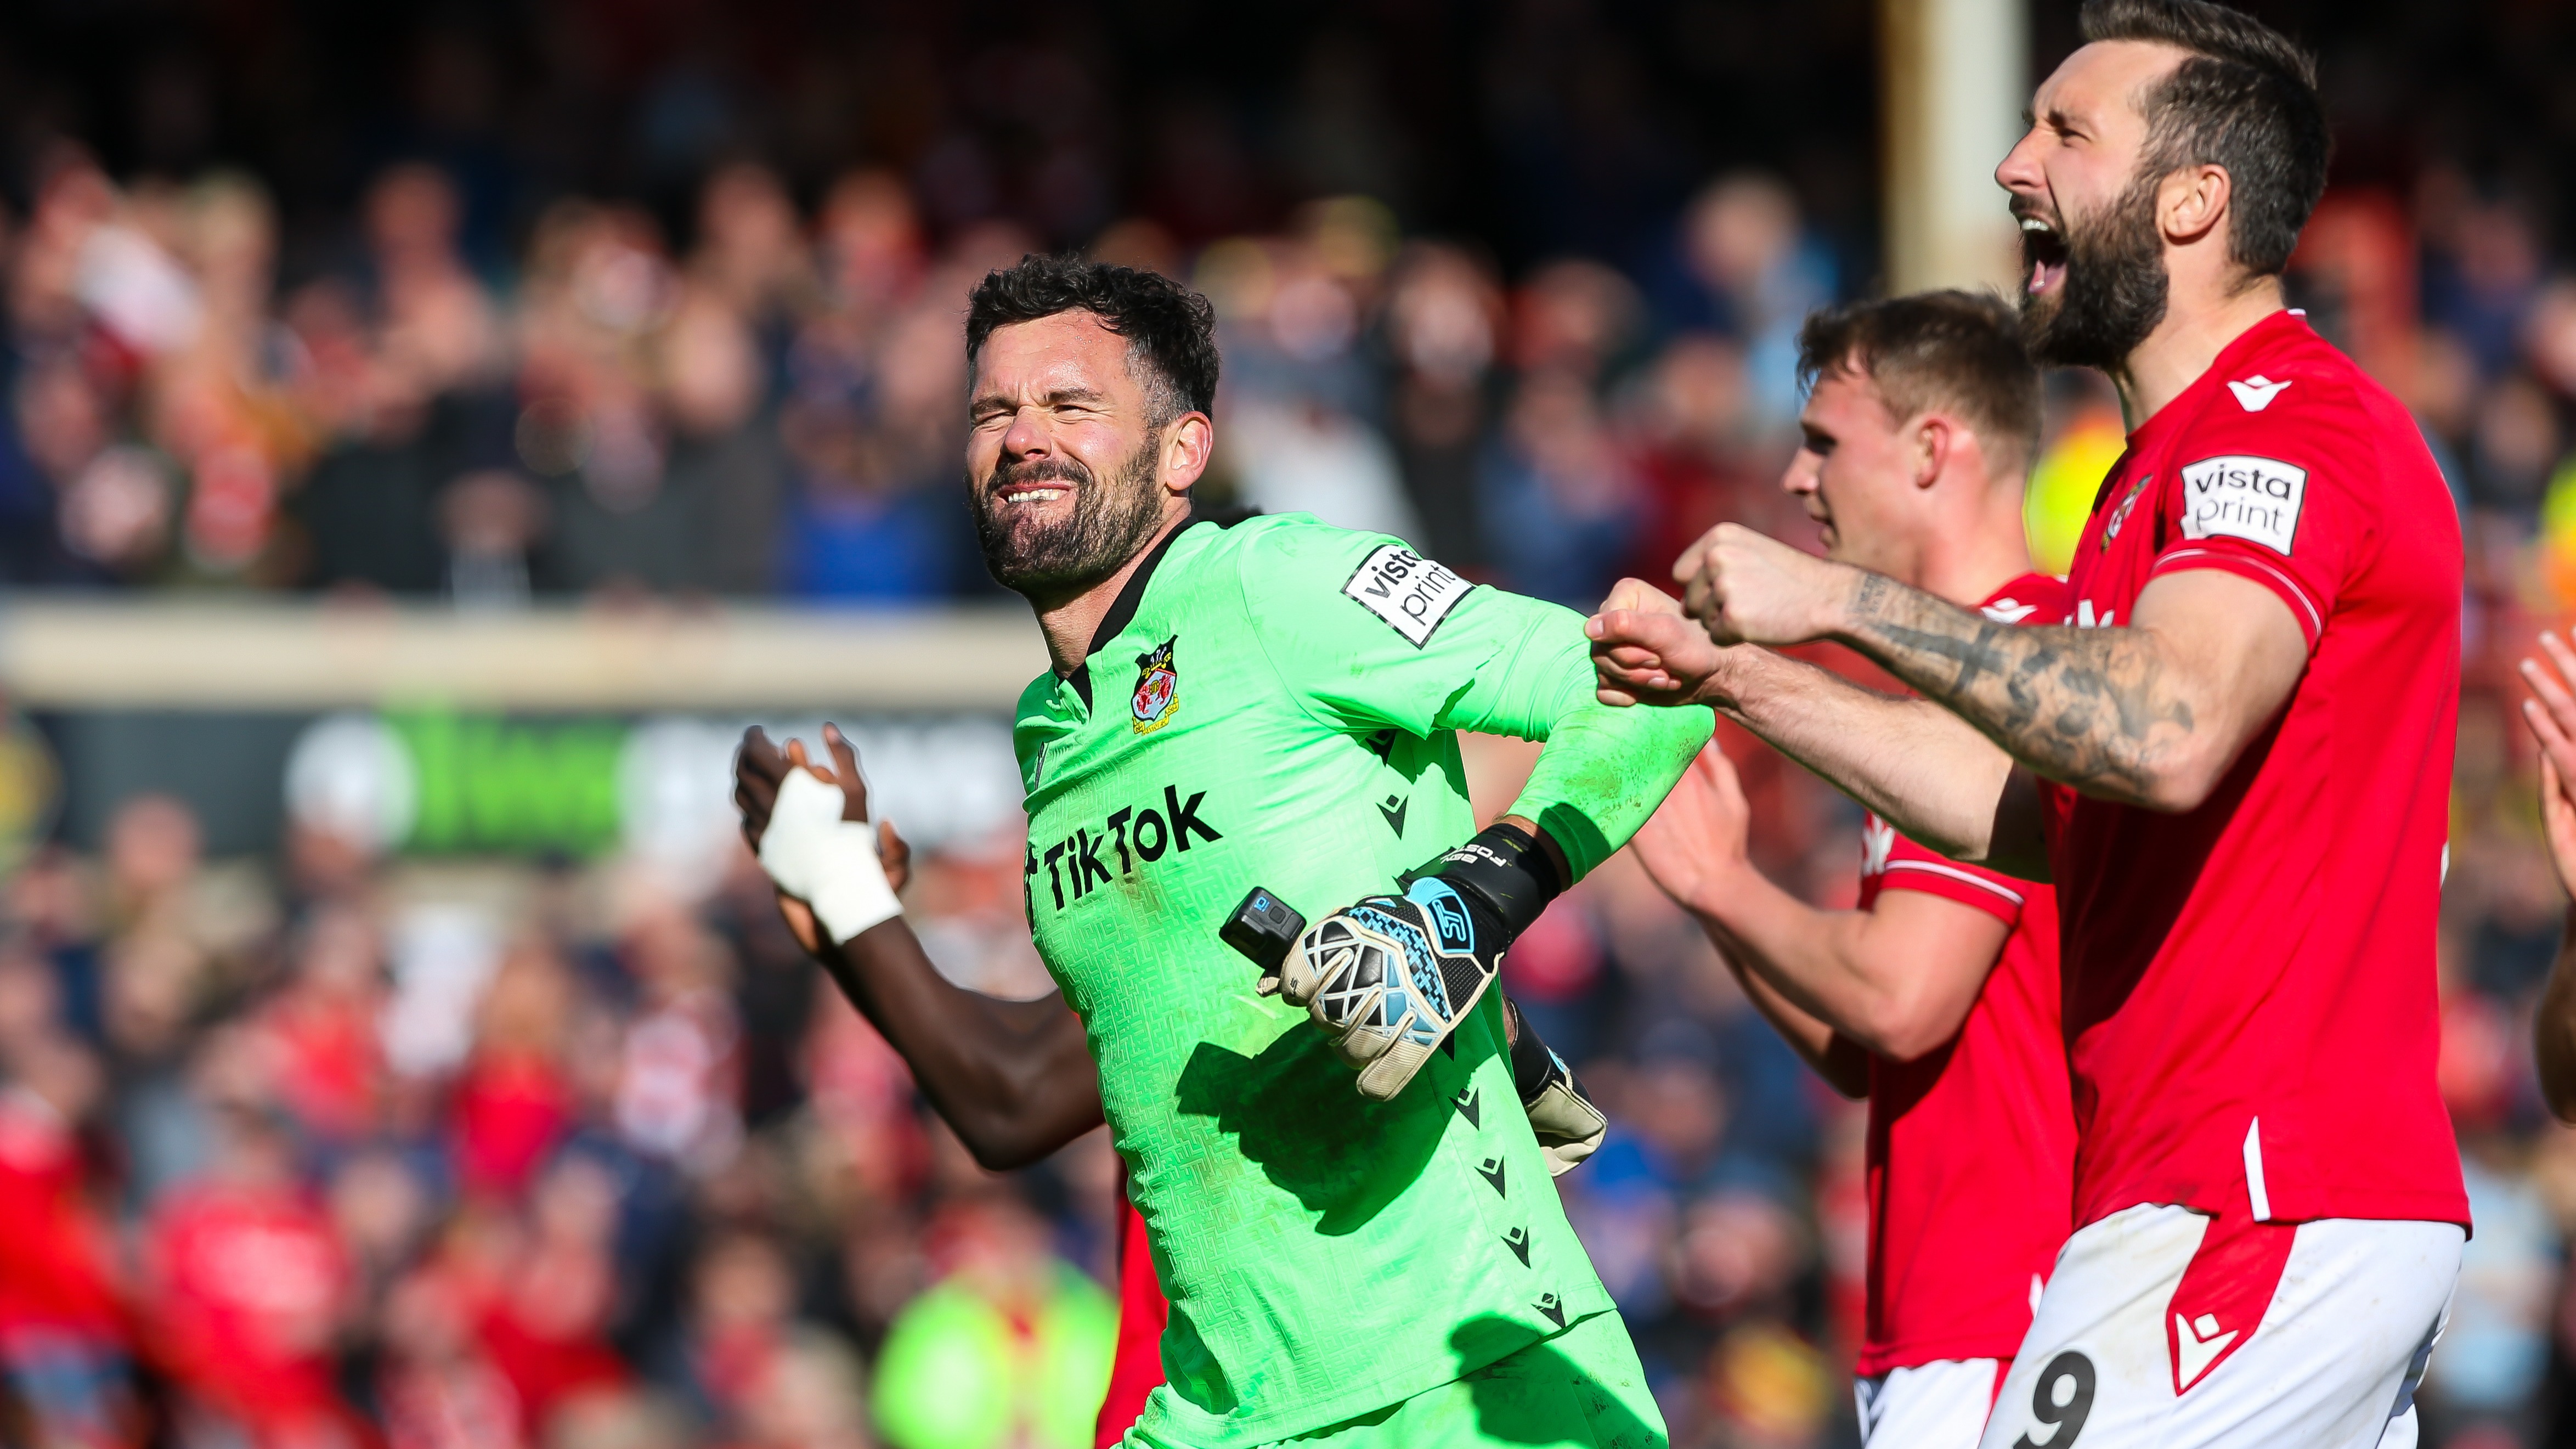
(1647, 651)
(1752, 589)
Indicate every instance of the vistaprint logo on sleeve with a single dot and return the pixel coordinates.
(1409, 592)
(2236, 496)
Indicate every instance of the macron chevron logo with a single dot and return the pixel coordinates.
(1877, 838)
(2256, 392)
(2197, 1345)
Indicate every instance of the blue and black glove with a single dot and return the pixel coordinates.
(1390, 977)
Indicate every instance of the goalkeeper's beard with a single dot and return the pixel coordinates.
(1057, 558)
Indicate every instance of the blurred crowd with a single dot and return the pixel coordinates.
(774, 410)
(350, 1155)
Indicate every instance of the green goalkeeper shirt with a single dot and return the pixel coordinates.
(1275, 703)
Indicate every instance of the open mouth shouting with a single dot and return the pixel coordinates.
(2043, 255)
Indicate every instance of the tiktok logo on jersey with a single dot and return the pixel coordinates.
(1080, 863)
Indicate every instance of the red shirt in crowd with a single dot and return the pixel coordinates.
(2250, 999)
(508, 1111)
(1971, 1156)
(251, 1283)
(54, 1253)
(327, 1060)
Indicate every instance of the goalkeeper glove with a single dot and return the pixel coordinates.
(1568, 1127)
(1390, 977)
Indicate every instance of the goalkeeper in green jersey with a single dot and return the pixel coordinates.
(1273, 704)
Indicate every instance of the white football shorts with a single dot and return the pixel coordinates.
(2169, 1328)
(1939, 1405)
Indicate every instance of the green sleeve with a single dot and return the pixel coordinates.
(1369, 634)
(1605, 770)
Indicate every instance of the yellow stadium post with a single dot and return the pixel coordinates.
(1954, 75)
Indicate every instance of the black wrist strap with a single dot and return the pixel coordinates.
(1532, 1064)
(1504, 868)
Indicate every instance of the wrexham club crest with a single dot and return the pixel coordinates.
(2120, 515)
(1158, 689)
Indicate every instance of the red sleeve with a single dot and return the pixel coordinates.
(2287, 497)
(2056, 802)
(1911, 867)
(1137, 1370)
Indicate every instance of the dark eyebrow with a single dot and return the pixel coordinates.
(1057, 398)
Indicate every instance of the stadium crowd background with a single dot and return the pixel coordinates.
(650, 305)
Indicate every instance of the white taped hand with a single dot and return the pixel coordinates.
(827, 862)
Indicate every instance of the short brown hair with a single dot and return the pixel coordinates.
(1961, 351)
(2245, 100)
(1170, 330)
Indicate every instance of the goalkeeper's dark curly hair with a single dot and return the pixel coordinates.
(1170, 330)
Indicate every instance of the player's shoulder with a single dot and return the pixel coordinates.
(1223, 555)
(1301, 573)
(2293, 390)
(1034, 696)
(1285, 541)
(1279, 555)
(2293, 415)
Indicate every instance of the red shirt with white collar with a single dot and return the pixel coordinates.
(1971, 1151)
(2249, 991)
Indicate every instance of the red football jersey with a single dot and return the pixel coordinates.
(1971, 1154)
(2250, 1002)
(1137, 1370)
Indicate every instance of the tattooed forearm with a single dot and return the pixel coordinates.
(2092, 708)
